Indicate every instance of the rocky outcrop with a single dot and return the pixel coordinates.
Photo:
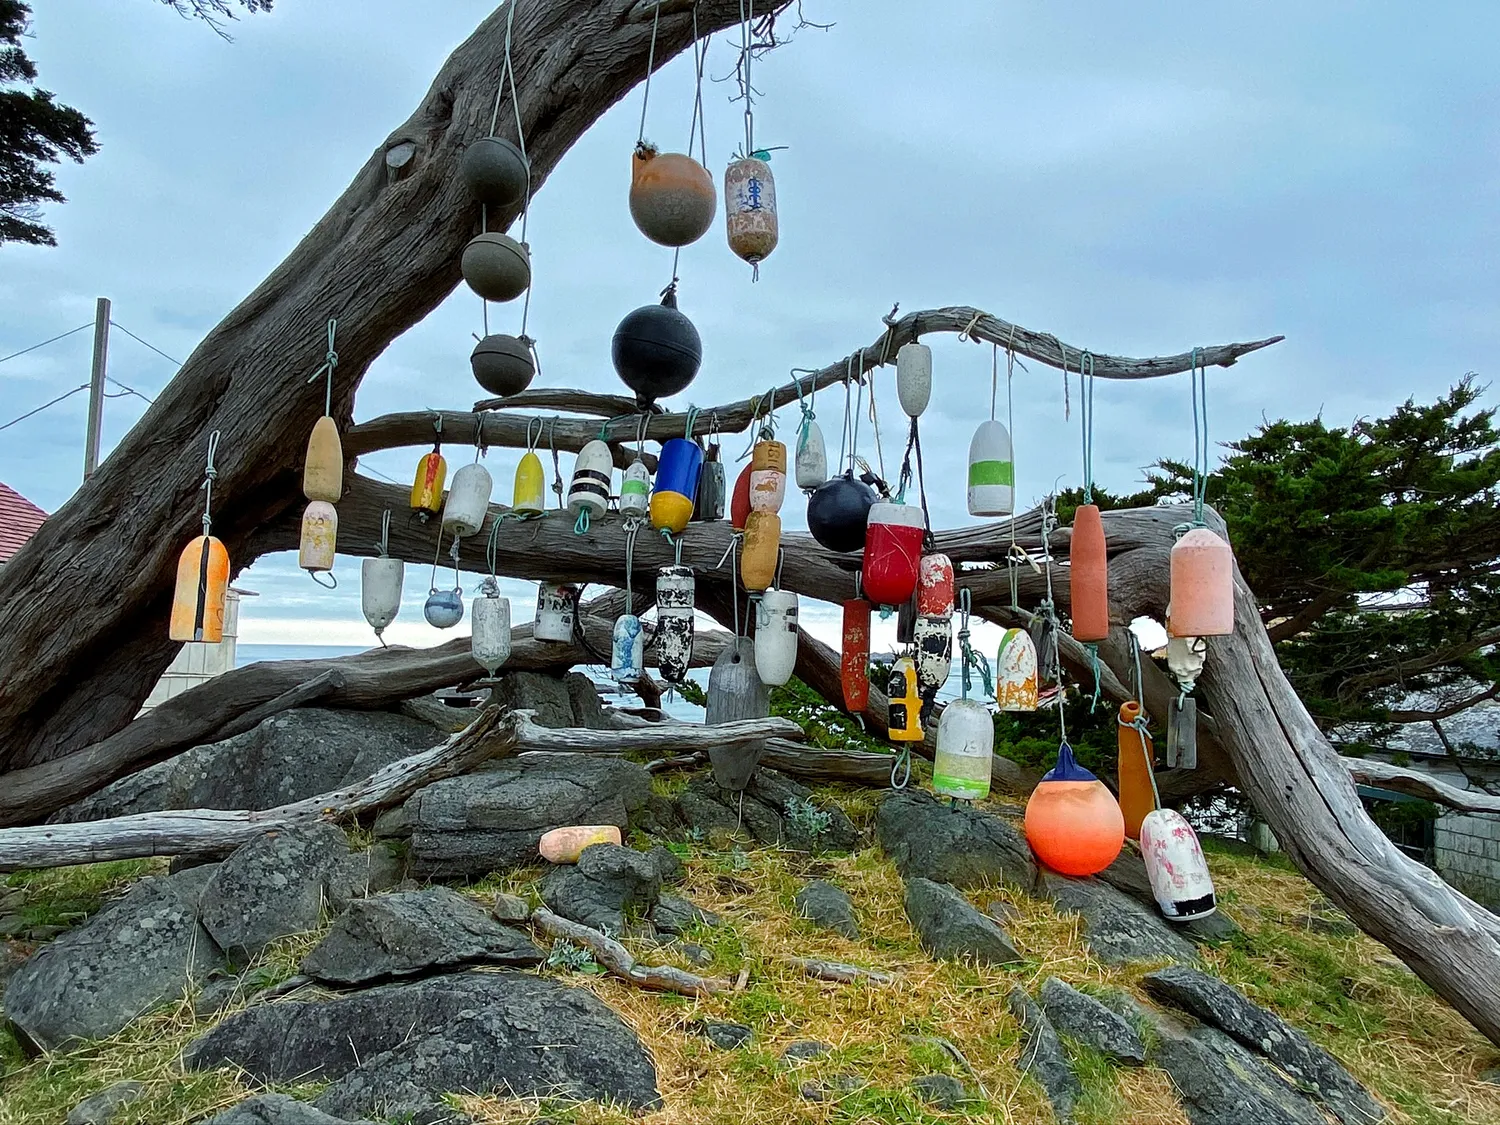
(950, 928)
(962, 846)
(559, 701)
(1127, 874)
(1219, 1082)
(827, 906)
(271, 888)
(1116, 927)
(277, 1109)
(609, 887)
(1042, 1057)
(1091, 1023)
(773, 809)
(98, 1109)
(674, 915)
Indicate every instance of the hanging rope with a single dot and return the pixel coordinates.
(640, 140)
(383, 548)
(805, 403)
(330, 364)
(210, 474)
(901, 768)
(747, 55)
(971, 658)
(557, 480)
(1086, 413)
(492, 545)
(632, 528)
(875, 425)
(1199, 382)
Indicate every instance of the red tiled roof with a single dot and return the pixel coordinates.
(19, 520)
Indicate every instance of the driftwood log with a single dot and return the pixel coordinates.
(617, 959)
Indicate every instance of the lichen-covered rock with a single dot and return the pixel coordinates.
(358, 874)
(571, 700)
(962, 846)
(675, 915)
(828, 906)
(725, 1036)
(775, 810)
(1127, 874)
(277, 1109)
(98, 1109)
(609, 886)
(1042, 1056)
(1087, 1020)
(1116, 927)
(271, 888)
(949, 927)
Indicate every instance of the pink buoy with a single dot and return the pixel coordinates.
(1202, 586)
(1179, 876)
(565, 845)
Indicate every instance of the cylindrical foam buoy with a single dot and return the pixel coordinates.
(676, 485)
(750, 209)
(380, 582)
(198, 597)
(739, 500)
(320, 532)
(893, 552)
(530, 495)
(566, 844)
(735, 692)
(1202, 585)
(592, 473)
(914, 378)
(935, 585)
(635, 490)
(1176, 868)
(992, 471)
(904, 702)
(758, 555)
(323, 471)
(1136, 751)
(672, 197)
(490, 619)
(468, 500)
(838, 513)
(767, 476)
(627, 650)
(1015, 672)
(965, 749)
(496, 171)
(776, 637)
(1073, 822)
(812, 457)
(854, 655)
(443, 608)
(675, 594)
(933, 637)
(502, 364)
(1088, 576)
(496, 266)
(556, 605)
(427, 488)
(709, 503)
(656, 350)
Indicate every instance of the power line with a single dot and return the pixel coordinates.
(44, 343)
(128, 391)
(116, 324)
(45, 405)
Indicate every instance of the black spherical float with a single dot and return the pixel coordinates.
(838, 511)
(502, 364)
(656, 350)
(495, 171)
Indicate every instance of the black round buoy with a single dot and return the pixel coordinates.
(495, 171)
(496, 266)
(656, 350)
(502, 364)
(838, 511)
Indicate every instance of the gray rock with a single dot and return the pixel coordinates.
(963, 846)
(492, 819)
(1127, 874)
(217, 994)
(725, 1036)
(295, 754)
(1309, 1065)
(97, 1109)
(803, 1050)
(675, 915)
(566, 701)
(1116, 927)
(139, 952)
(450, 718)
(696, 954)
(271, 888)
(949, 927)
(405, 933)
(942, 1090)
(360, 874)
(1001, 911)
(1042, 1057)
(1087, 1020)
(709, 809)
(277, 1109)
(513, 910)
(490, 1032)
(668, 865)
(588, 708)
(831, 1089)
(609, 886)
(827, 906)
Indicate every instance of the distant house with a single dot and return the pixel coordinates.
(19, 521)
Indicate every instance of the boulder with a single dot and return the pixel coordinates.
(143, 950)
(559, 701)
(1042, 1057)
(98, 1109)
(482, 1032)
(962, 846)
(828, 906)
(410, 932)
(468, 826)
(1127, 874)
(277, 1109)
(609, 887)
(675, 915)
(513, 910)
(763, 813)
(1090, 1022)
(949, 927)
(1116, 927)
(671, 868)
(358, 874)
(271, 888)
(1310, 1066)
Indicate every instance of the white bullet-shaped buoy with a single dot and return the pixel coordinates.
(556, 603)
(914, 378)
(776, 637)
(490, 618)
(965, 749)
(627, 649)
(320, 531)
(380, 590)
(468, 500)
(992, 471)
(811, 462)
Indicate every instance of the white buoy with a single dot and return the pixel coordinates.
(1015, 672)
(1179, 876)
(556, 604)
(468, 500)
(675, 593)
(965, 748)
(635, 490)
(992, 471)
(380, 590)
(320, 532)
(592, 473)
(811, 461)
(776, 637)
(627, 649)
(490, 618)
(933, 638)
(914, 378)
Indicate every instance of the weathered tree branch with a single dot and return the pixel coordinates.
(617, 959)
(1414, 783)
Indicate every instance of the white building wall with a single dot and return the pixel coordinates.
(198, 661)
(1467, 855)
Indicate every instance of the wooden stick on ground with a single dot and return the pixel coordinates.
(617, 959)
(839, 972)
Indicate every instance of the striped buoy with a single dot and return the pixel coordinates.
(198, 598)
(675, 590)
(635, 490)
(992, 471)
(592, 473)
(854, 655)
(776, 637)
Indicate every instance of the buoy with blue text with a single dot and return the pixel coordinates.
(627, 649)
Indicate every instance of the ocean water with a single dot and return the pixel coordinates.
(251, 654)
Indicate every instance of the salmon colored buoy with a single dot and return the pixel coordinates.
(565, 845)
(758, 556)
(1073, 823)
(323, 471)
(198, 600)
(1137, 793)
(1202, 586)
(739, 500)
(935, 585)
(1088, 576)
(672, 196)
(854, 655)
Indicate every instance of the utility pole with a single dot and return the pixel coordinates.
(96, 387)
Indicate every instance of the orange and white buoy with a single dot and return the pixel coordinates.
(202, 574)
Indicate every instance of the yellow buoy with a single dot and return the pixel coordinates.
(530, 496)
(198, 600)
(323, 471)
(762, 544)
(427, 488)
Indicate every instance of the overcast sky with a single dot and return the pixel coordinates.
(1134, 178)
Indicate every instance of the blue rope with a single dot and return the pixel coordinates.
(1199, 381)
(581, 524)
(1086, 413)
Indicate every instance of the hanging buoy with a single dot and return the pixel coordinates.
(627, 649)
(1182, 733)
(776, 637)
(965, 748)
(443, 608)
(323, 471)
(676, 485)
(838, 513)
(380, 581)
(760, 550)
(427, 488)
(933, 637)
(904, 704)
(496, 266)
(812, 457)
(656, 350)
(893, 552)
(1015, 672)
(672, 197)
(556, 605)
(1202, 585)
(735, 692)
(906, 621)
(592, 473)
(750, 210)
(496, 171)
(502, 364)
(992, 471)
(635, 490)
(320, 530)
(198, 598)
(490, 620)
(675, 591)
(530, 495)
(1175, 865)
(1073, 822)
(854, 656)
(1136, 751)
(935, 585)
(914, 378)
(1088, 576)
(767, 476)
(739, 501)
(709, 504)
(468, 500)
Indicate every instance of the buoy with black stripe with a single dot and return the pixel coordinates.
(893, 552)
(1175, 867)
(490, 619)
(675, 592)
(854, 655)
(904, 703)
(635, 490)
(776, 637)
(676, 485)
(592, 473)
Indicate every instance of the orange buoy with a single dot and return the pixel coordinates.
(1088, 575)
(672, 196)
(427, 488)
(198, 600)
(935, 585)
(762, 543)
(739, 500)
(1073, 823)
(1137, 793)
(1202, 586)
(854, 656)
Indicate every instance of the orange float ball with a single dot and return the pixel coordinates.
(1073, 823)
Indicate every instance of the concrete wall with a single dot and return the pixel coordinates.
(1467, 855)
(198, 662)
